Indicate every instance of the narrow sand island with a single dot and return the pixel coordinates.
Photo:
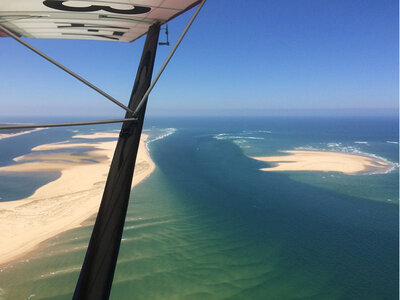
(326, 161)
(9, 135)
(68, 201)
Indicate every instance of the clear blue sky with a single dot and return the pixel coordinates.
(240, 57)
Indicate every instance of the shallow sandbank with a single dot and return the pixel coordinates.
(346, 163)
(62, 204)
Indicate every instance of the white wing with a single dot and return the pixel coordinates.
(110, 20)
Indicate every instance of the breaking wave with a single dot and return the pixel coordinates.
(335, 147)
(156, 134)
(60, 272)
(361, 142)
(239, 140)
(163, 133)
(257, 131)
(227, 136)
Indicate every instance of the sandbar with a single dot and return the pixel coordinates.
(308, 160)
(64, 203)
(9, 135)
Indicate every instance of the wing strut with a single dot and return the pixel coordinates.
(54, 62)
(22, 126)
(98, 268)
(144, 98)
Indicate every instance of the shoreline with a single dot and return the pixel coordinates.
(325, 161)
(66, 202)
(9, 135)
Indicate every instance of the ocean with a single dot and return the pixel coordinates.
(208, 224)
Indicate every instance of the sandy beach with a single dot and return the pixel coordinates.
(326, 161)
(68, 201)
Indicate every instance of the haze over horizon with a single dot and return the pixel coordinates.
(246, 58)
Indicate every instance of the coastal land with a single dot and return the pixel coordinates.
(13, 134)
(308, 160)
(66, 202)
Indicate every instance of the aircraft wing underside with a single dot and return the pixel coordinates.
(109, 20)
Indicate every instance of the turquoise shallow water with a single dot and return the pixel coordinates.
(207, 224)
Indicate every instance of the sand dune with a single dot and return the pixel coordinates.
(62, 204)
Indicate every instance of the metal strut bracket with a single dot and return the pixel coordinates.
(166, 43)
(144, 98)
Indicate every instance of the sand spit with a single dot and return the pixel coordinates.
(62, 204)
(326, 161)
(8, 135)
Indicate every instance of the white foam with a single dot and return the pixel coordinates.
(253, 131)
(226, 136)
(239, 141)
(168, 132)
(361, 142)
(61, 272)
(265, 131)
(309, 148)
(331, 145)
(392, 142)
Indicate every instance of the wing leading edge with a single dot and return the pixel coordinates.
(110, 20)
